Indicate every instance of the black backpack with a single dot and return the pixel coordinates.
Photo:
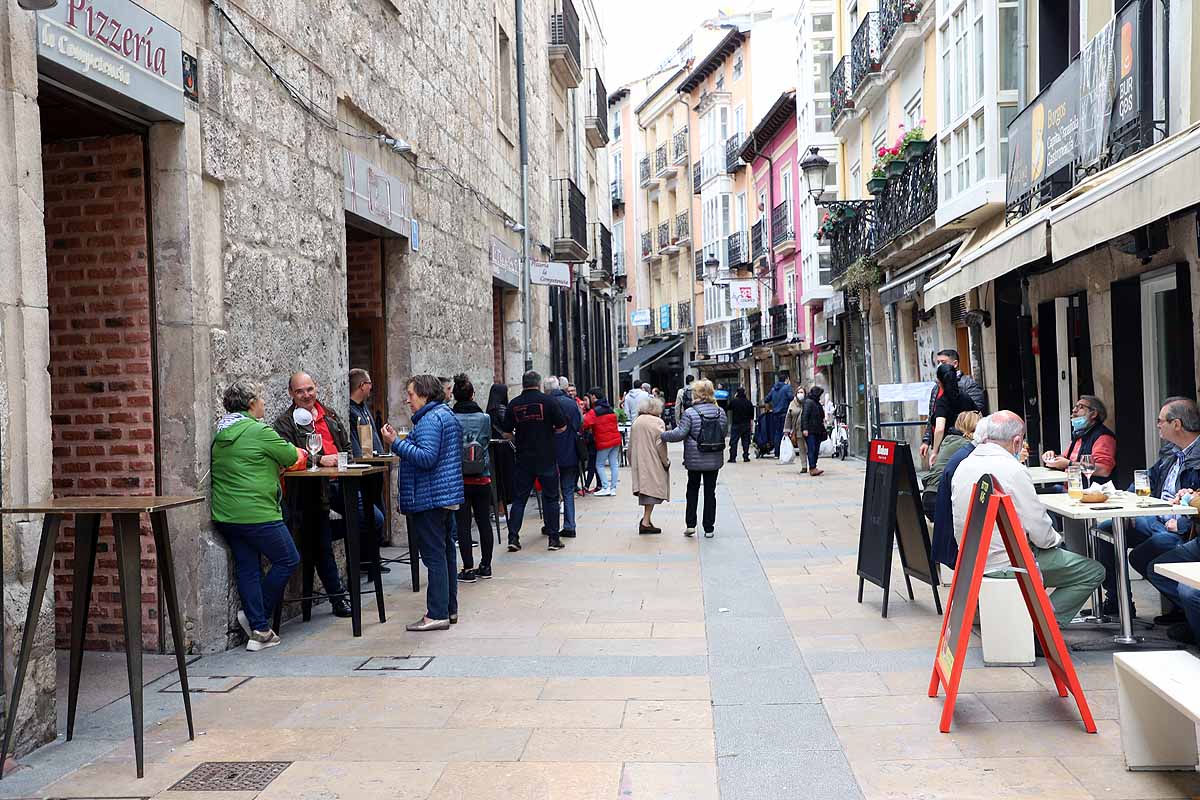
(712, 434)
(474, 457)
(686, 402)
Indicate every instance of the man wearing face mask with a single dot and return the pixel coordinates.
(1072, 577)
(1089, 437)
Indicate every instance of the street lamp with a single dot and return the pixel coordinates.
(814, 166)
(37, 5)
(714, 272)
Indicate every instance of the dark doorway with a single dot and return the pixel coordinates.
(366, 313)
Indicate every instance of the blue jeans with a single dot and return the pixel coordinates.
(435, 533)
(260, 592)
(1185, 597)
(814, 449)
(610, 457)
(1146, 537)
(522, 486)
(566, 479)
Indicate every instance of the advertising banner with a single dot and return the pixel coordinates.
(743, 294)
(550, 273)
(639, 317)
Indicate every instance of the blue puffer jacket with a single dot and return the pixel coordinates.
(431, 461)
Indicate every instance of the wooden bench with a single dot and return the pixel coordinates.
(1159, 700)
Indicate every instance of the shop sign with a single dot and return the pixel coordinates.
(904, 291)
(639, 317)
(505, 263)
(743, 294)
(1096, 94)
(550, 273)
(834, 305)
(1128, 37)
(380, 199)
(122, 52)
(664, 317)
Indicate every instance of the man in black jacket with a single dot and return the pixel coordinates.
(531, 420)
(966, 386)
(741, 418)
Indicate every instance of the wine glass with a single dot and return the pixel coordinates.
(1088, 465)
(315, 446)
(1141, 486)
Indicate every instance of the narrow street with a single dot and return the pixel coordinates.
(626, 667)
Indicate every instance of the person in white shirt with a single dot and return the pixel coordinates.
(1072, 576)
(633, 399)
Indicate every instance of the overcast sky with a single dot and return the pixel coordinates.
(641, 33)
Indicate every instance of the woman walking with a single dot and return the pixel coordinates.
(812, 427)
(503, 455)
(430, 482)
(477, 482)
(247, 457)
(601, 422)
(648, 458)
(791, 427)
(702, 431)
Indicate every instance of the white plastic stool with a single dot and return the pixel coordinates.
(1004, 624)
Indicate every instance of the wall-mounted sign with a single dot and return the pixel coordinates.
(190, 90)
(1126, 58)
(834, 305)
(639, 317)
(1097, 84)
(664, 317)
(505, 263)
(115, 51)
(743, 294)
(550, 273)
(376, 198)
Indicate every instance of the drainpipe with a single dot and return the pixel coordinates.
(1022, 53)
(523, 129)
(869, 376)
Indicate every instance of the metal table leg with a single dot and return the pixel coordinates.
(87, 529)
(350, 496)
(166, 580)
(129, 573)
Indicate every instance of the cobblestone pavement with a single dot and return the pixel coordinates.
(629, 666)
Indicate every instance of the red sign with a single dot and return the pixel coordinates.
(883, 452)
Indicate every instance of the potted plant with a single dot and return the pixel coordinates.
(862, 274)
(895, 164)
(913, 141)
(878, 180)
(909, 9)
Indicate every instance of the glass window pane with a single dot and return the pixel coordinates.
(1007, 115)
(978, 43)
(1007, 34)
(822, 23)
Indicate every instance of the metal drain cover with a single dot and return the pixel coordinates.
(231, 776)
(396, 663)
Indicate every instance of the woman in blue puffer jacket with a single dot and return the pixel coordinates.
(430, 486)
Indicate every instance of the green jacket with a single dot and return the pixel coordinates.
(246, 458)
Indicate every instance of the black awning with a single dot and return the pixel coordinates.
(647, 354)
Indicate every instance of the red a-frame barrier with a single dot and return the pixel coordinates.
(992, 507)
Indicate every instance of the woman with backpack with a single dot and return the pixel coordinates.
(702, 431)
(477, 482)
(812, 427)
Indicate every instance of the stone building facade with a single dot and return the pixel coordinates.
(332, 191)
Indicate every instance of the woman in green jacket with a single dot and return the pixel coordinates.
(247, 458)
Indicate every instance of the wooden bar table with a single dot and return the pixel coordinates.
(391, 463)
(126, 513)
(351, 485)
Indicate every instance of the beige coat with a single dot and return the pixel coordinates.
(791, 422)
(648, 457)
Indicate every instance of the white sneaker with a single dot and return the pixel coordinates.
(261, 640)
(244, 621)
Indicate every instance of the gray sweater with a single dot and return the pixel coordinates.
(688, 432)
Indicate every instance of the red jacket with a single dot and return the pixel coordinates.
(603, 428)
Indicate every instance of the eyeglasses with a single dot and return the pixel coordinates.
(1082, 406)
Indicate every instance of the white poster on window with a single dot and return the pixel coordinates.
(743, 294)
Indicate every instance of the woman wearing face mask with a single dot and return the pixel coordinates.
(1089, 436)
(247, 457)
(947, 405)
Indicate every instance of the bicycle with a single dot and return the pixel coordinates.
(839, 434)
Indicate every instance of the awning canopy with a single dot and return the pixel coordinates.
(1152, 185)
(993, 250)
(645, 356)
(909, 282)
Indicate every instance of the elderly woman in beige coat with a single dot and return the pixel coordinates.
(648, 458)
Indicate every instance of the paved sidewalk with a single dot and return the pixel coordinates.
(629, 667)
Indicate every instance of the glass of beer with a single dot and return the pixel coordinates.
(402, 431)
(1075, 483)
(1141, 486)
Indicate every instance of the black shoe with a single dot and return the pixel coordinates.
(341, 607)
(513, 545)
(733, 460)
(555, 543)
(483, 572)
(648, 529)
(1181, 632)
(1173, 617)
(466, 575)
(1111, 608)
(567, 533)
(745, 459)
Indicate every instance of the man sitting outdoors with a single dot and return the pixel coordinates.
(1072, 576)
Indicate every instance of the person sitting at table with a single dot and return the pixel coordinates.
(1178, 467)
(360, 414)
(949, 402)
(334, 437)
(430, 488)
(1185, 598)
(944, 546)
(247, 457)
(1072, 576)
(964, 431)
(1089, 437)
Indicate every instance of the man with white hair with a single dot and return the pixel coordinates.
(633, 399)
(1072, 576)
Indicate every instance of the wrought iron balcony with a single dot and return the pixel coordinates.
(664, 239)
(737, 249)
(739, 333)
(622, 336)
(619, 261)
(699, 265)
(661, 161)
(602, 267)
(696, 178)
(564, 44)
(683, 231)
(683, 316)
(852, 238)
(618, 192)
(778, 323)
(733, 146)
(865, 52)
(680, 146)
(570, 234)
(783, 227)
(645, 176)
(702, 343)
(595, 120)
(647, 245)
(906, 201)
(841, 91)
(754, 323)
(893, 14)
(758, 239)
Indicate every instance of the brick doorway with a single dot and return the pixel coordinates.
(102, 363)
(366, 315)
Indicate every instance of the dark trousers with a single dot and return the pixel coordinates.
(1146, 537)
(814, 449)
(776, 429)
(523, 479)
(567, 478)
(477, 504)
(261, 592)
(709, 478)
(435, 533)
(739, 432)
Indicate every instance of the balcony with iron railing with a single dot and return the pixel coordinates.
(565, 61)
(783, 229)
(618, 192)
(739, 333)
(683, 230)
(665, 245)
(865, 52)
(622, 336)
(851, 239)
(601, 273)
(758, 239)
(683, 316)
(680, 146)
(755, 326)
(696, 178)
(702, 342)
(737, 250)
(777, 323)
(699, 265)
(595, 119)
(733, 147)
(893, 14)
(906, 201)
(570, 233)
(619, 261)
(662, 161)
(647, 245)
(841, 92)
(646, 177)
